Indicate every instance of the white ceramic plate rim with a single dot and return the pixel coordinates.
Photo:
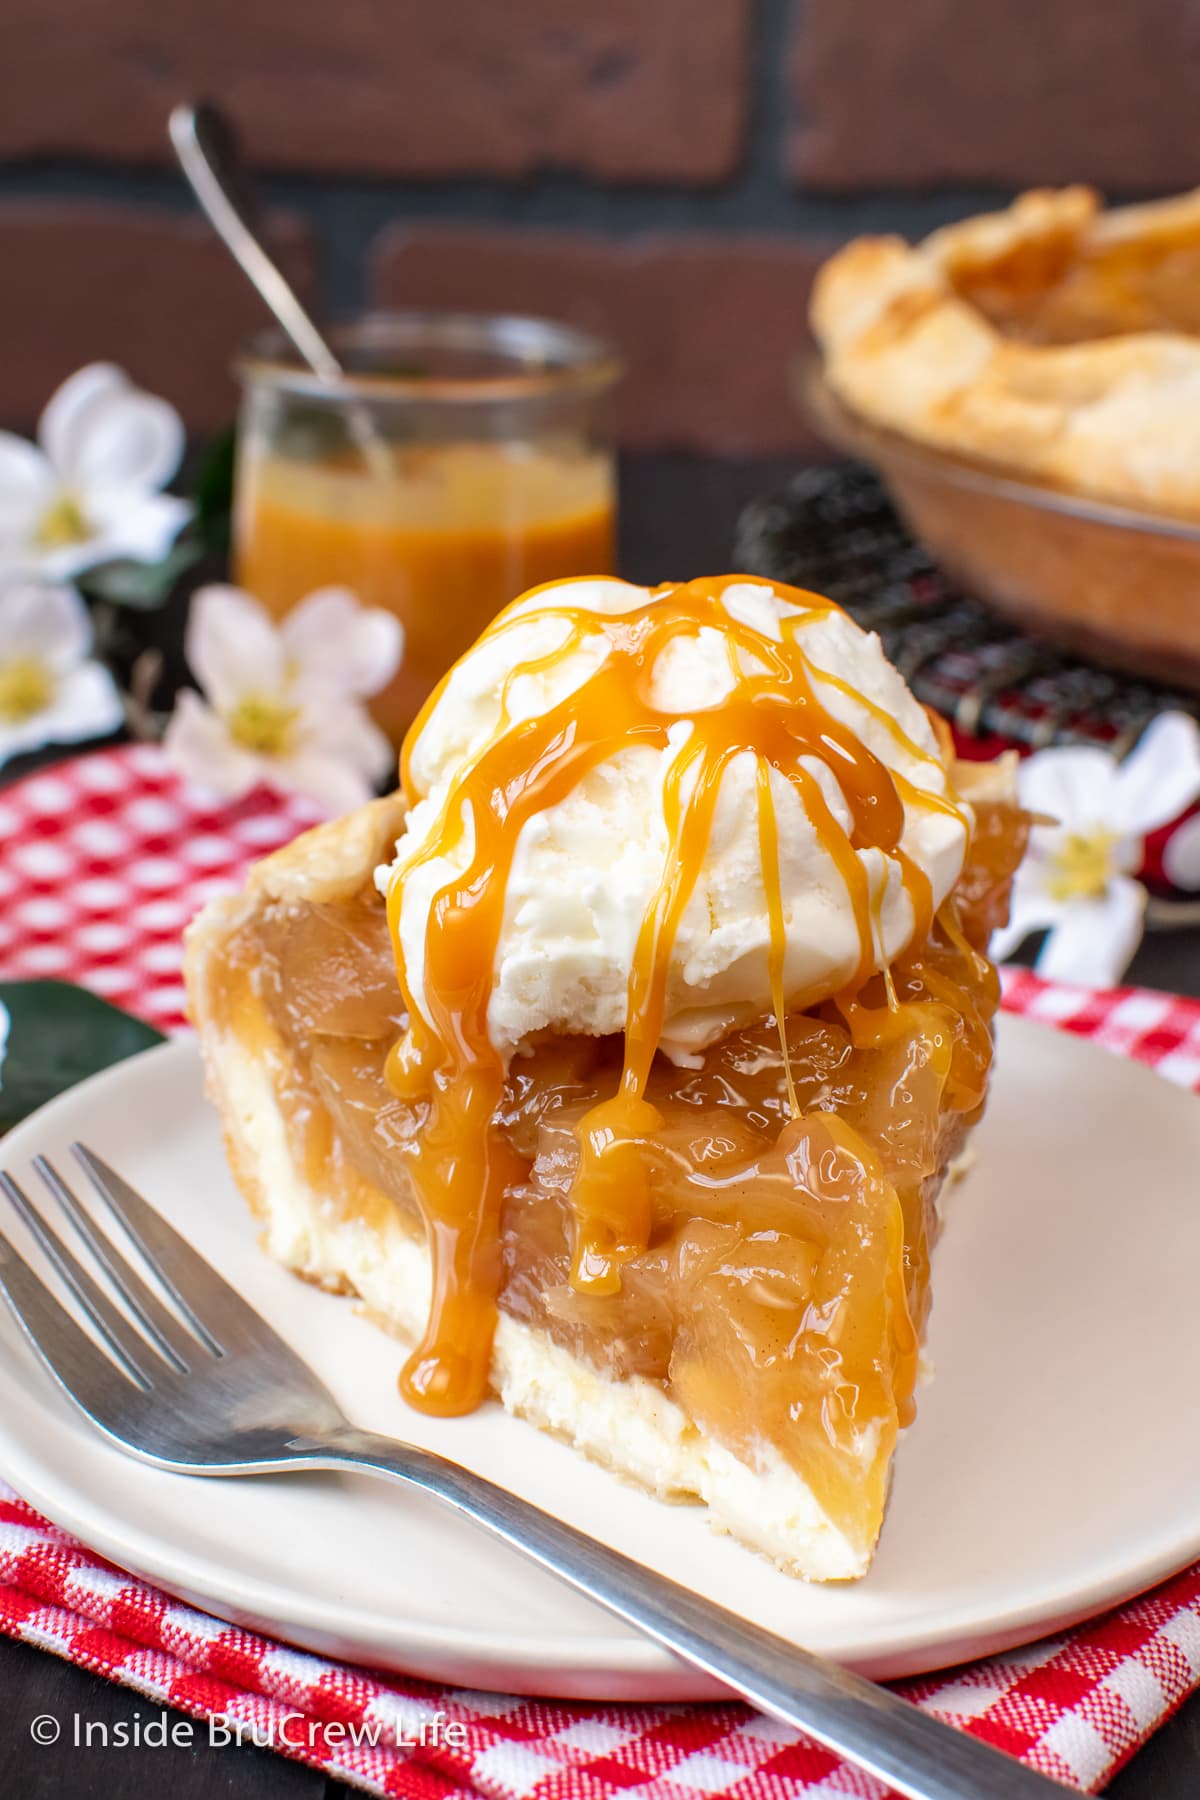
(572, 1662)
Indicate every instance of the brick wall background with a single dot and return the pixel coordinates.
(667, 171)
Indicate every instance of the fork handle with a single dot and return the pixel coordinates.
(918, 1755)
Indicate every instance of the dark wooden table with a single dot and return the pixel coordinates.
(678, 520)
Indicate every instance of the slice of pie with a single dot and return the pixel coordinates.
(617, 1062)
(1055, 340)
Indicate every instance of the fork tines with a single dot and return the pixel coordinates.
(145, 1336)
(147, 1333)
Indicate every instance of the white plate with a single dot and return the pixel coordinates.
(1054, 1467)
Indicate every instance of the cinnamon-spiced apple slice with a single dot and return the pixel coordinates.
(617, 1062)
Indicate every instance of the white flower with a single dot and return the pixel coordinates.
(1181, 857)
(88, 490)
(50, 692)
(1077, 877)
(283, 703)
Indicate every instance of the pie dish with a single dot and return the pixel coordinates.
(619, 1059)
(1054, 341)
(1099, 580)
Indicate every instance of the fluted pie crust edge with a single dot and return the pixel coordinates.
(1055, 340)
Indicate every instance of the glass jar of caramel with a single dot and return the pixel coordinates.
(464, 458)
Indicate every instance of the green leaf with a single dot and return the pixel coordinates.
(213, 496)
(141, 586)
(58, 1035)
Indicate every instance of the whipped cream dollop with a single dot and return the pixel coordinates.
(585, 869)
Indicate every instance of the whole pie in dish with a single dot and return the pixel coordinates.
(617, 1061)
(1056, 341)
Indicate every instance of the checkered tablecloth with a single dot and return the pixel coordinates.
(102, 860)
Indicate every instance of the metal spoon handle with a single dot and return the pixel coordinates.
(207, 151)
(205, 147)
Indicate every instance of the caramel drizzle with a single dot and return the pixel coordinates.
(462, 1166)
(768, 855)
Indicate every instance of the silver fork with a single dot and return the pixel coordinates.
(195, 1381)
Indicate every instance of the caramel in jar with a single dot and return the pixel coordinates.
(445, 543)
(464, 458)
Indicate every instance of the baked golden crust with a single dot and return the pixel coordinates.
(325, 864)
(325, 1216)
(1055, 340)
(353, 1240)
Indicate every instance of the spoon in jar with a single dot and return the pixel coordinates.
(205, 145)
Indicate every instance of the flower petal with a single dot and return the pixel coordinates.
(1181, 857)
(349, 733)
(86, 705)
(1095, 940)
(337, 643)
(64, 419)
(133, 446)
(27, 488)
(232, 646)
(1030, 909)
(106, 437)
(1160, 777)
(197, 744)
(142, 528)
(335, 785)
(1073, 785)
(46, 622)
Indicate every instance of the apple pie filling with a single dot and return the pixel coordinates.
(774, 1274)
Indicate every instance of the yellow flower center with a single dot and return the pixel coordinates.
(263, 724)
(63, 522)
(26, 689)
(1082, 865)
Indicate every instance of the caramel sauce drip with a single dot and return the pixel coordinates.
(461, 1164)
(777, 1301)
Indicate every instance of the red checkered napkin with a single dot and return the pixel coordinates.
(102, 861)
(1073, 1707)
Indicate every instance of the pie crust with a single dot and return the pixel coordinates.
(1055, 341)
(323, 1217)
